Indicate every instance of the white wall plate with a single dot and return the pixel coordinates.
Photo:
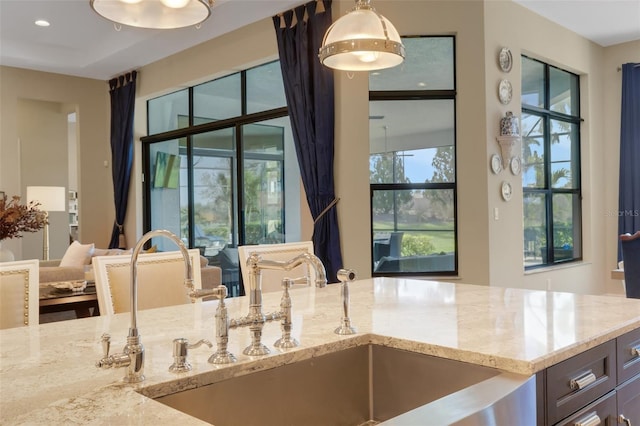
(505, 60)
(516, 165)
(507, 191)
(505, 91)
(496, 164)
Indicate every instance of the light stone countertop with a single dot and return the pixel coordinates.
(47, 373)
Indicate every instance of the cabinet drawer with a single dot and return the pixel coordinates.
(628, 396)
(628, 355)
(601, 412)
(576, 382)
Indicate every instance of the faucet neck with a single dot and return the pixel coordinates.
(256, 264)
(188, 270)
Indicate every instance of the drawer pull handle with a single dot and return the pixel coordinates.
(635, 351)
(582, 381)
(591, 419)
(623, 419)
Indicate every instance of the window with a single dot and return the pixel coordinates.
(216, 160)
(551, 164)
(412, 161)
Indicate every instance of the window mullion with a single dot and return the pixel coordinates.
(190, 183)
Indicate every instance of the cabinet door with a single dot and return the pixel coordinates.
(629, 402)
(628, 355)
(601, 412)
(579, 380)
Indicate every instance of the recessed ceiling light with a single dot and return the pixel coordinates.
(422, 84)
(42, 23)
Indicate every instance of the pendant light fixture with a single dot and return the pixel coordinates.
(361, 40)
(154, 14)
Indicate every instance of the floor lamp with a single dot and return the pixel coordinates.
(51, 199)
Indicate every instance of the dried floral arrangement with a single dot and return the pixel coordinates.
(16, 218)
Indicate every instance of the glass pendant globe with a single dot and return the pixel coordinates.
(154, 14)
(362, 40)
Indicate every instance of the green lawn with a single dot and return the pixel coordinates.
(441, 235)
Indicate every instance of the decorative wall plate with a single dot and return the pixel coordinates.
(506, 191)
(496, 164)
(516, 165)
(505, 59)
(505, 91)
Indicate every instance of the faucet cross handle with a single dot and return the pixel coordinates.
(285, 314)
(108, 361)
(106, 344)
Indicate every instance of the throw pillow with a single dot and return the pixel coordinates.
(77, 255)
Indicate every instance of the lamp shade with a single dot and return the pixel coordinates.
(51, 198)
(154, 14)
(361, 40)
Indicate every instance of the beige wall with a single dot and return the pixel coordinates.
(464, 19)
(90, 99)
(43, 160)
(509, 24)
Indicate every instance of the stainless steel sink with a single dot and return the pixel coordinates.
(365, 385)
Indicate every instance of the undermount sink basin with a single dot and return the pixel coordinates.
(365, 385)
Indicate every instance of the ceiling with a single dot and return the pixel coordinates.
(81, 43)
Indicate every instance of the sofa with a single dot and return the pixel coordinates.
(76, 265)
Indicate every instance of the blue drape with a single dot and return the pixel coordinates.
(309, 92)
(122, 91)
(629, 185)
(631, 255)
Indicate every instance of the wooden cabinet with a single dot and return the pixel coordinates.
(628, 355)
(600, 412)
(580, 380)
(628, 398)
(600, 386)
(628, 390)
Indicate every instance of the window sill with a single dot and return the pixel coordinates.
(551, 268)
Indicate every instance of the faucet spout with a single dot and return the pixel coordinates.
(188, 271)
(256, 264)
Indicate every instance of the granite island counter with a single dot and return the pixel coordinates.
(47, 372)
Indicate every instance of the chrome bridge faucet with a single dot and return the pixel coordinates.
(256, 318)
(132, 355)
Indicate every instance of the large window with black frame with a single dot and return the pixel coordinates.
(551, 164)
(412, 163)
(216, 162)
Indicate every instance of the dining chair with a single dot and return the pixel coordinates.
(631, 258)
(160, 280)
(19, 293)
(272, 279)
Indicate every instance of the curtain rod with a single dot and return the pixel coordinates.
(635, 66)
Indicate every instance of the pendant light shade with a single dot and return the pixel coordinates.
(154, 14)
(361, 40)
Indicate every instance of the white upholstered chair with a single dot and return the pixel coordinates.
(160, 280)
(272, 279)
(19, 293)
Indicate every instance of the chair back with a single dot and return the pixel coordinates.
(160, 280)
(19, 293)
(631, 258)
(272, 279)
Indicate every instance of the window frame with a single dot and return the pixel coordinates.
(548, 190)
(237, 158)
(421, 95)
